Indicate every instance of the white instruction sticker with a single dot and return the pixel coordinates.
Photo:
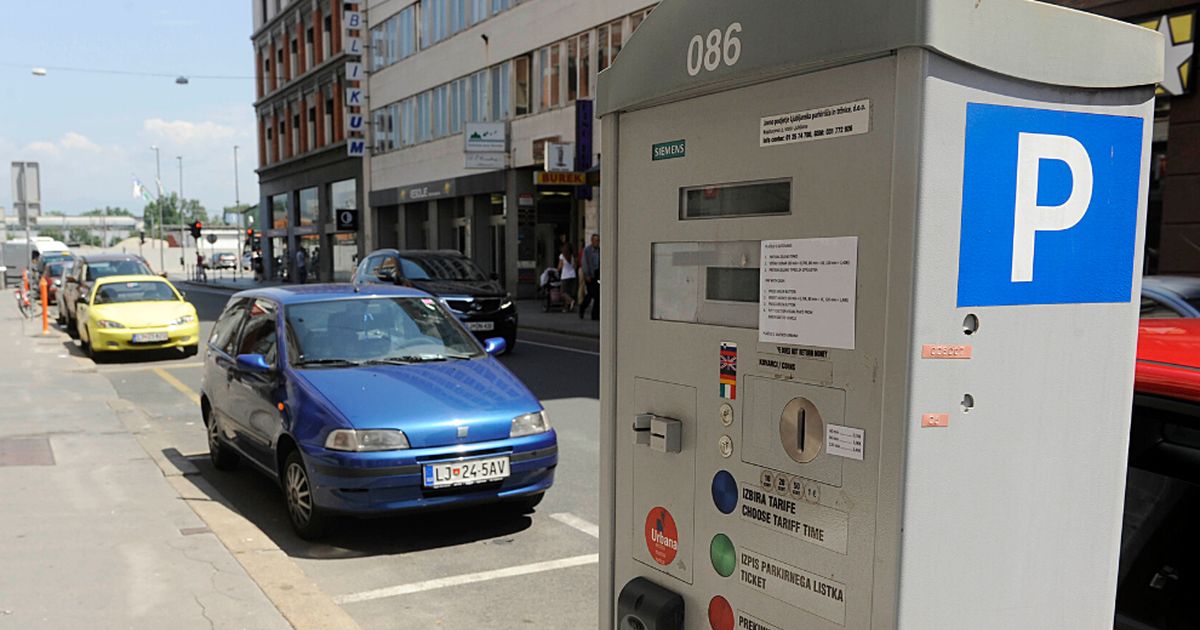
(847, 119)
(807, 289)
(845, 441)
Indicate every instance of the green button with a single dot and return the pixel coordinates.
(724, 558)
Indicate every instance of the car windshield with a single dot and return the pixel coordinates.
(138, 291)
(440, 268)
(383, 330)
(130, 267)
(55, 257)
(54, 270)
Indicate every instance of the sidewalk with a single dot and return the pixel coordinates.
(94, 534)
(529, 311)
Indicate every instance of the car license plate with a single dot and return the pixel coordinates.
(465, 472)
(476, 326)
(149, 337)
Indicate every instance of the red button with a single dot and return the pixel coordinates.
(720, 614)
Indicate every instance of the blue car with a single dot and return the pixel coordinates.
(1170, 296)
(370, 403)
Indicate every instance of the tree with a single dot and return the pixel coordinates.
(108, 211)
(191, 211)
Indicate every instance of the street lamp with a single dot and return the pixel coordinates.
(237, 204)
(162, 262)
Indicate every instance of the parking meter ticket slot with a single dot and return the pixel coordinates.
(794, 586)
(817, 524)
(808, 289)
(847, 442)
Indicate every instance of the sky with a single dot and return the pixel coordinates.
(92, 133)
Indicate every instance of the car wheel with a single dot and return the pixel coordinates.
(86, 345)
(72, 327)
(525, 505)
(307, 519)
(223, 457)
(509, 344)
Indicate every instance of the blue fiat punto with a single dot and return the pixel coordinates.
(369, 403)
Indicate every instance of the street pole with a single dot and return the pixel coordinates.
(237, 203)
(182, 238)
(162, 259)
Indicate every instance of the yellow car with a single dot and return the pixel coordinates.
(136, 313)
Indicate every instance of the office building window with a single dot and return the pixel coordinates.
(478, 110)
(572, 69)
(439, 111)
(501, 91)
(636, 19)
(279, 211)
(423, 130)
(601, 48)
(308, 46)
(433, 22)
(311, 130)
(522, 85)
(408, 122)
(394, 39)
(379, 46)
(457, 15)
(393, 126)
(584, 66)
(501, 5)
(479, 11)
(615, 40)
(309, 208)
(458, 90)
(378, 130)
(550, 61)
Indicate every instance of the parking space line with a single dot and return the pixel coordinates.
(469, 578)
(177, 384)
(550, 345)
(149, 368)
(570, 520)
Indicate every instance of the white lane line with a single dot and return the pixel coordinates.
(469, 578)
(548, 345)
(571, 520)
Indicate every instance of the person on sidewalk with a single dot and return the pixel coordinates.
(568, 276)
(201, 273)
(590, 264)
(256, 263)
(301, 266)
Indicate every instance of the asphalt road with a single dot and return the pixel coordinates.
(477, 568)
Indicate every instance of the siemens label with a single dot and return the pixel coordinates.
(1049, 207)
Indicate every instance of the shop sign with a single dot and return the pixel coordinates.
(431, 190)
(560, 157)
(486, 137)
(547, 178)
(488, 161)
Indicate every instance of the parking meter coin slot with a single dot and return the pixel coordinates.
(783, 426)
(801, 430)
(644, 605)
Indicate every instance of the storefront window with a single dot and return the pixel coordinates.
(279, 211)
(343, 196)
(310, 207)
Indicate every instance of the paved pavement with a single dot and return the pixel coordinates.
(95, 535)
(475, 568)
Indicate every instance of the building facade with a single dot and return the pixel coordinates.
(467, 100)
(1173, 224)
(305, 173)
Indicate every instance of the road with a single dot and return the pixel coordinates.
(477, 568)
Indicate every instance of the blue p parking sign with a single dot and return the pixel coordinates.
(1049, 206)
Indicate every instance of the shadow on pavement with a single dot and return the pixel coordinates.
(260, 501)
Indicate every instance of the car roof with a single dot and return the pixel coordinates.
(141, 277)
(1187, 286)
(419, 253)
(299, 294)
(109, 257)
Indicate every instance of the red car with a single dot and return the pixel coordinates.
(53, 273)
(1168, 359)
(1159, 573)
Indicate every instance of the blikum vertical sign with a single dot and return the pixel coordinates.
(584, 116)
(356, 143)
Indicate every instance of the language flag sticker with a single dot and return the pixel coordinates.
(729, 370)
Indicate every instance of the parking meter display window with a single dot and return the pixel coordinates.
(732, 200)
(706, 282)
(731, 284)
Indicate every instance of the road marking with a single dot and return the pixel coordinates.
(550, 345)
(177, 384)
(150, 368)
(469, 578)
(571, 520)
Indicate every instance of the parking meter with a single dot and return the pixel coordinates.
(870, 281)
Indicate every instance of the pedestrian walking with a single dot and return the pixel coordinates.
(569, 276)
(201, 274)
(256, 263)
(590, 265)
(301, 266)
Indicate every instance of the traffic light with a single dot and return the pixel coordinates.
(196, 227)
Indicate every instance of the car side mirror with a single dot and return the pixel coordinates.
(495, 346)
(256, 363)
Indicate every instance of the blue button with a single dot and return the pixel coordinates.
(724, 491)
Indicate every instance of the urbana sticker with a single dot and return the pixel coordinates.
(662, 537)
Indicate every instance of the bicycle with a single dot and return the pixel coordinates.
(28, 308)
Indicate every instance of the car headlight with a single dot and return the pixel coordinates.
(186, 319)
(506, 304)
(108, 323)
(367, 440)
(57, 282)
(530, 424)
